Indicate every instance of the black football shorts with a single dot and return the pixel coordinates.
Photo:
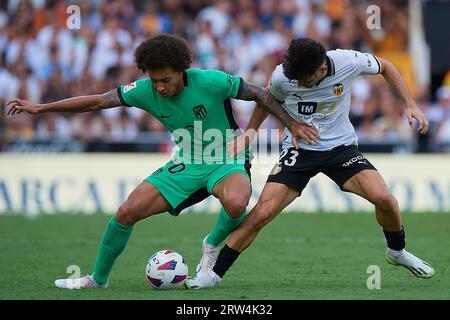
(297, 166)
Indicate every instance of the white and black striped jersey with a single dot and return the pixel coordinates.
(326, 106)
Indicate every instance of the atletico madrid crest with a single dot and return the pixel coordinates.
(200, 112)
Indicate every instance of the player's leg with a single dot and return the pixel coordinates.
(274, 198)
(285, 183)
(231, 185)
(233, 193)
(170, 188)
(370, 185)
(144, 201)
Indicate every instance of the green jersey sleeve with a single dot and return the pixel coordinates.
(133, 94)
(223, 84)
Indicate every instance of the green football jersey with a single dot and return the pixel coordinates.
(200, 118)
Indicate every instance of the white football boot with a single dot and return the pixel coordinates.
(202, 280)
(418, 267)
(209, 256)
(79, 283)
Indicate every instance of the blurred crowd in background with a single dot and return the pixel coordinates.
(43, 61)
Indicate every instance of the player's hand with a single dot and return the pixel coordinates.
(413, 112)
(17, 106)
(240, 143)
(305, 132)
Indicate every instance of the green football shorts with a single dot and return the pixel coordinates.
(184, 185)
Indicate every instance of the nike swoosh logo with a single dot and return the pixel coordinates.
(363, 162)
(165, 116)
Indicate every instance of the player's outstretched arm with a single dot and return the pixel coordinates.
(396, 82)
(75, 104)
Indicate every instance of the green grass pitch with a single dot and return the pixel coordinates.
(297, 256)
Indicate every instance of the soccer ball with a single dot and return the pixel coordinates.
(166, 269)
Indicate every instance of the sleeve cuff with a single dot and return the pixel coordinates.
(122, 100)
(378, 62)
(241, 87)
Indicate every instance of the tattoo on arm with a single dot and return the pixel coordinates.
(250, 91)
(263, 97)
(111, 99)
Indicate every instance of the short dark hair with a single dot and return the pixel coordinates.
(303, 57)
(163, 51)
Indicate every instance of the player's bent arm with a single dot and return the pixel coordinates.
(242, 142)
(398, 84)
(395, 80)
(266, 101)
(257, 118)
(75, 104)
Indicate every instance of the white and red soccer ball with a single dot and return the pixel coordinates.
(166, 269)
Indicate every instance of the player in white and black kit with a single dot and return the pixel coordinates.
(314, 86)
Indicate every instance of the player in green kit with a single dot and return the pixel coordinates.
(194, 105)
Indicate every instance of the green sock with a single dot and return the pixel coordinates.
(114, 241)
(223, 227)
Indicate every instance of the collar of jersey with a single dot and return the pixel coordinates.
(331, 69)
(185, 79)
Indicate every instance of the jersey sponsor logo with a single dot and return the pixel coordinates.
(358, 159)
(129, 87)
(308, 108)
(200, 112)
(338, 88)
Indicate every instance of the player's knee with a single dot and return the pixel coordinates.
(387, 202)
(235, 206)
(124, 215)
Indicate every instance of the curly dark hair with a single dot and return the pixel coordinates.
(162, 51)
(303, 57)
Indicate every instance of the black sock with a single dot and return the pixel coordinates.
(226, 258)
(395, 239)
